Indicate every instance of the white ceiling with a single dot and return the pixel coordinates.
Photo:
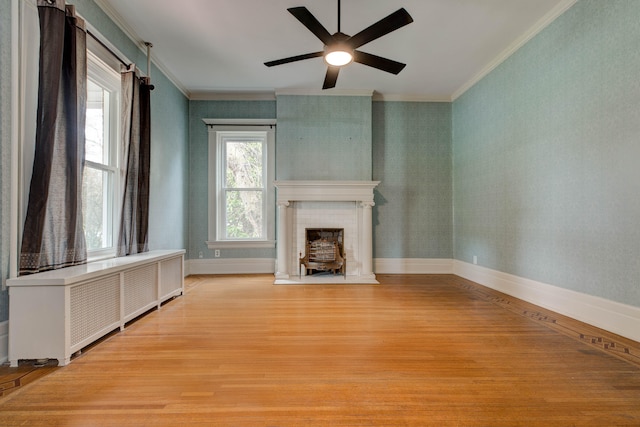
(215, 48)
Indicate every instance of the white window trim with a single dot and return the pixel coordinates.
(261, 125)
(107, 77)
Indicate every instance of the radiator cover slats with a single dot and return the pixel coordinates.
(140, 289)
(94, 306)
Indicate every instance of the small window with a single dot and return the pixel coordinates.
(100, 185)
(242, 207)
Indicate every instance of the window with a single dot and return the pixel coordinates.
(241, 193)
(242, 202)
(100, 182)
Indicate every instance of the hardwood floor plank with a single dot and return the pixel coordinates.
(413, 351)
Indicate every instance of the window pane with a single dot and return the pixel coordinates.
(97, 113)
(244, 164)
(244, 214)
(100, 186)
(96, 208)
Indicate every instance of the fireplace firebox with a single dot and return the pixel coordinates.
(324, 252)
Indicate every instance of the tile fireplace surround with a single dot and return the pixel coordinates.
(325, 204)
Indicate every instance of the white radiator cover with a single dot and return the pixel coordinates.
(56, 313)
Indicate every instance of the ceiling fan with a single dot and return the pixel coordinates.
(341, 49)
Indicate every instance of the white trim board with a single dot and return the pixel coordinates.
(413, 266)
(267, 265)
(14, 177)
(240, 122)
(4, 341)
(230, 266)
(609, 315)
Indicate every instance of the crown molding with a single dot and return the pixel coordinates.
(272, 95)
(408, 98)
(319, 92)
(138, 41)
(233, 96)
(517, 44)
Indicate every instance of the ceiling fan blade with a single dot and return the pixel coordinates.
(331, 77)
(294, 59)
(397, 19)
(308, 20)
(384, 64)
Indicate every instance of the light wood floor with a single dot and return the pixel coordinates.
(413, 351)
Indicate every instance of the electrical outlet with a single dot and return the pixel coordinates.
(475, 259)
(217, 253)
(200, 254)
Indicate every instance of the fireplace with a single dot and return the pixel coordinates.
(337, 205)
(324, 252)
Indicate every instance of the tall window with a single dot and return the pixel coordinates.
(242, 193)
(241, 187)
(100, 185)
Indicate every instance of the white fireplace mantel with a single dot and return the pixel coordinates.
(325, 191)
(359, 192)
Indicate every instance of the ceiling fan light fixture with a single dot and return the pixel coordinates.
(338, 56)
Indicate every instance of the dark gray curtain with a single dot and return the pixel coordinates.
(53, 234)
(136, 137)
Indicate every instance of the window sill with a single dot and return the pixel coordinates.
(100, 255)
(251, 244)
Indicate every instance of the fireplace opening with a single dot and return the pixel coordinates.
(324, 252)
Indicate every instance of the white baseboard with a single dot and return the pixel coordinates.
(4, 341)
(230, 266)
(267, 265)
(413, 266)
(609, 315)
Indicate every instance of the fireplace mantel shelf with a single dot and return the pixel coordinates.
(336, 191)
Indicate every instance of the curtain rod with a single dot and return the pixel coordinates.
(126, 64)
(93, 36)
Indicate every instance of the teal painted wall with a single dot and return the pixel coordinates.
(168, 198)
(5, 150)
(412, 158)
(545, 153)
(323, 138)
(409, 150)
(199, 170)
